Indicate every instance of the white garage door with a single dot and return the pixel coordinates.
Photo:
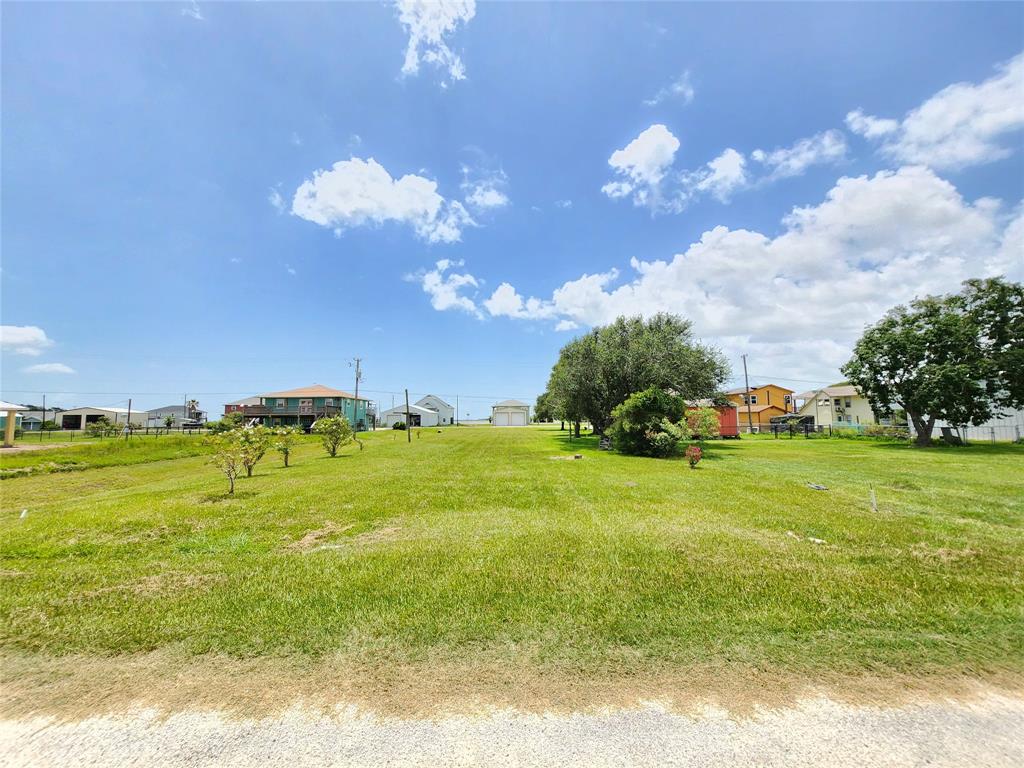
(518, 419)
(501, 418)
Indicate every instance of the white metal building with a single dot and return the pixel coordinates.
(510, 413)
(418, 416)
(445, 412)
(77, 418)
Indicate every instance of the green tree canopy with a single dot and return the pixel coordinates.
(959, 357)
(599, 370)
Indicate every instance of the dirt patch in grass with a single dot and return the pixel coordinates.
(25, 447)
(365, 539)
(314, 539)
(153, 586)
(944, 555)
(76, 687)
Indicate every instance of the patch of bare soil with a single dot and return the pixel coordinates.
(76, 687)
(944, 555)
(314, 539)
(25, 447)
(152, 586)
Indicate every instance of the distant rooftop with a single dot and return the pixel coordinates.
(313, 390)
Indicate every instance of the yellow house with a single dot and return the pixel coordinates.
(765, 401)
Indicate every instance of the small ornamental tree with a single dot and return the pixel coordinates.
(227, 455)
(169, 420)
(645, 424)
(253, 443)
(334, 432)
(702, 422)
(284, 441)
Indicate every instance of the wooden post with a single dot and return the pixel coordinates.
(127, 429)
(408, 425)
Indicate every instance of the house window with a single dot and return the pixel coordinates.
(281, 402)
(753, 399)
(329, 401)
(839, 406)
(849, 402)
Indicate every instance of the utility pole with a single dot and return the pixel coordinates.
(456, 410)
(355, 405)
(408, 426)
(746, 384)
(127, 429)
(44, 412)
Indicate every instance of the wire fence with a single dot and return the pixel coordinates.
(1003, 433)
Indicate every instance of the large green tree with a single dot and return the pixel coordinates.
(958, 358)
(599, 370)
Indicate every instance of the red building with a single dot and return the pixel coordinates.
(728, 418)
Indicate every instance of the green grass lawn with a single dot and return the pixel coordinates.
(93, 452)
(476, 543)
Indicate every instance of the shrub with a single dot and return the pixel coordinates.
(398, 425)
(334, 432)
(284, 440)
(645, 424)
(693, 455)
(99, 427)
(880, 430)
(702, 422)
(229, 422)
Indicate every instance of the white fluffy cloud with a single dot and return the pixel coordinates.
(358, 192)
(428, 24)
(505, 302)
(445, 287)
(24, 339)
(961, 125)
(642, 164)
(644, 169)
(826, 147)
(721, 177)
(680, 89)
(873, 242)
(49, 368)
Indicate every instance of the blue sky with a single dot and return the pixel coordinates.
(224, 199)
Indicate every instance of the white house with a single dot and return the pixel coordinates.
(510, 413)
(418, 416)
(839, 406)
(77, 418)
(445, 412)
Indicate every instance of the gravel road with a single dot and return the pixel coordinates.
(819, 732)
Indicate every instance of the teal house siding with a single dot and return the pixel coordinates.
(301, 407)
